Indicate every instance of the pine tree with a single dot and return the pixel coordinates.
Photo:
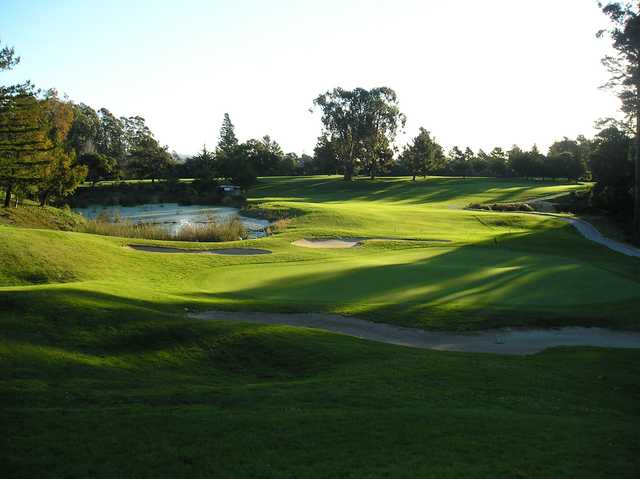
(24, 132)
(228, 140)
(23, 135)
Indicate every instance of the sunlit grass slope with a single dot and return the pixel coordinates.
(103, 375)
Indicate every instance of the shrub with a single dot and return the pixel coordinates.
(278, 226)
(526, 207)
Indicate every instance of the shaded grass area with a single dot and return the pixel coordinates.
(100, 386)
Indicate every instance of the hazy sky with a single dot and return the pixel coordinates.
(478, 73)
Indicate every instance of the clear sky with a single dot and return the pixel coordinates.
(475, 73)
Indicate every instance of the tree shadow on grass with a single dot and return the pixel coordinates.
(474, 286)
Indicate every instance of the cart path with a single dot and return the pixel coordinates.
(590, 232)
(497, 341)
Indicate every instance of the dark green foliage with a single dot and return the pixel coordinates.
(99, 167)
(136, 193)
(612, 169)
(149, 160)
(228, 140)
(624, 67)
(325, 157)
(266, 157)
(422, 156)
(233, 159)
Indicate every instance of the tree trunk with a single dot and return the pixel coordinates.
(636, 186)
(414, 178)
(44, 197)
(7, 196)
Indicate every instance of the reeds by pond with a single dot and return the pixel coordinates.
(231, 229)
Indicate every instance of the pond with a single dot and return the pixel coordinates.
(175, 216)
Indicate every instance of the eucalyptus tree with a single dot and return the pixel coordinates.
(361, 124)
(624, 67)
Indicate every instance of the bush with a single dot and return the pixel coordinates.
(525, 207)
(278, 226)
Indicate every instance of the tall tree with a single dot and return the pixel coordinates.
(99, 167)
(266, 156)
(625, 78)
(497, 162)
(149, 160)
(202, 166)
(458, 162)
(60, 174)
(84, 131)
(25, 131)
(232, 158)
(228, 139)
(325, 156)
(420, 156)
(361, 123)
(110, 140)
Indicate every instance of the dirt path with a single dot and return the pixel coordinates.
(498, 341)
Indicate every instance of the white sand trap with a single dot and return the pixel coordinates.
(223, 251)
(328, 243)
(351, 242)
(496, 341)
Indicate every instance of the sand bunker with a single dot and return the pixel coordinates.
(328, 243)
(223, 251)
(351, 242)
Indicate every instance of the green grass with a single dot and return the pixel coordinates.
(102, 375)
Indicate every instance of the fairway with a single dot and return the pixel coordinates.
(101, 362)
(461, 269)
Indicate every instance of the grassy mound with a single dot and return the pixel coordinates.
(47, 217)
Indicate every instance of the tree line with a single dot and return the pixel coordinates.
(49, 145)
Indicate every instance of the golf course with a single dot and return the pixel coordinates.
(108, 361)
